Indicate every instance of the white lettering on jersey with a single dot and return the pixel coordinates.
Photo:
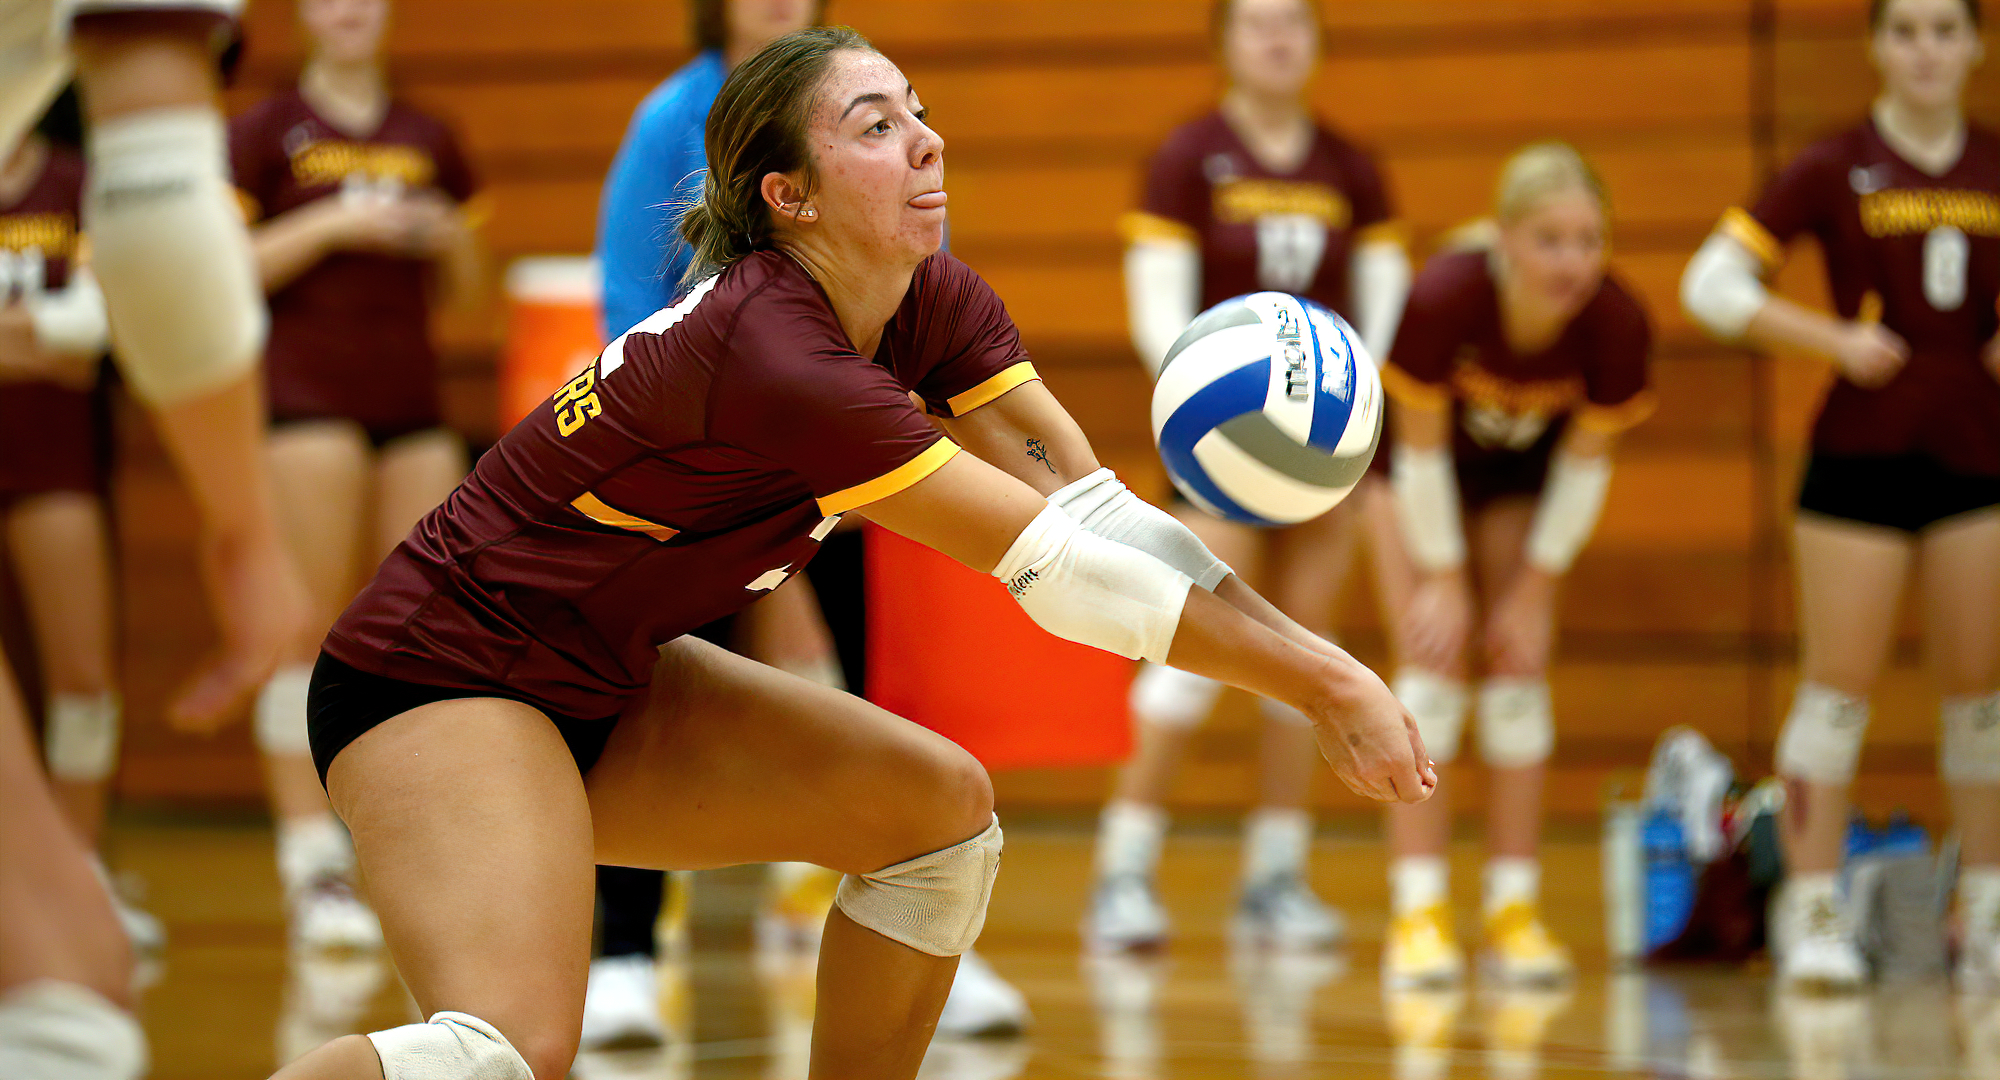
(657, 323)
(1289, 248)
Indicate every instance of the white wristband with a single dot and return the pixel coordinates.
(1426, 487)
(1103, 505)
(1568, 511)
(1720, 289)
(71, 319)
(1097, 592)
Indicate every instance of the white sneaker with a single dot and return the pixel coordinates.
(327, 915)
(981, 1003)
(148, 934)
(1282, 913)
(1820, 952)
(621, 1005)
(1125, 915)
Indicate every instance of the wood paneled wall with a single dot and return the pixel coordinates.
(1678, 613)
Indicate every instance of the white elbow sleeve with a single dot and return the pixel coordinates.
(1084, 588)
(1103, 505)
(1720, 289)
(1162, 285)
(1568, 511)
(1381, 285)
(1425, 482)
(71, 319)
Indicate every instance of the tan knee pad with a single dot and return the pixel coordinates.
(1438, 705)
(1969, 739)
(934, 903)
(1172, 698)
(1821, 739)
(53, 1030)
(452, 1046)
(1517, 724)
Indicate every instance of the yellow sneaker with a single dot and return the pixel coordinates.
(797, 899)
(1519, 950)
(1421, 951)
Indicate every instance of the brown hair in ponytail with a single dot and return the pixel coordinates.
(758, 127)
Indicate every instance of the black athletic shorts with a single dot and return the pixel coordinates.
(1910, 492)
(345, 702)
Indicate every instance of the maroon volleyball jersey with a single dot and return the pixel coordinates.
(695, 465)
(1922, 254)
(1452, 352)
(48, 433)
(350, 337)
(1259, 230)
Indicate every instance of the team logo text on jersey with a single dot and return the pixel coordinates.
(329, 162)
(1298, 380)
(1908, 211)
(577, 402)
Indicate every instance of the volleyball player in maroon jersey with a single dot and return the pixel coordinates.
(1905, 465)
(512, 691)
(1256, 195)
(360, 229)
(1519, 363)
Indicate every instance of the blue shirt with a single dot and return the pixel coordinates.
(658, 169)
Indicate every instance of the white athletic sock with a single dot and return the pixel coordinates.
(1801, 889)
(1275, 843)
(1979, 897)
(1128, 839)
(1510, 881)
(312, 847)
(1172, 698)
(1417, 882)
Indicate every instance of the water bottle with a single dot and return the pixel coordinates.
(1670, 878)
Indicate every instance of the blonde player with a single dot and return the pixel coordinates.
(1257, 195)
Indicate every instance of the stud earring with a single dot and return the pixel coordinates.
(809, 212)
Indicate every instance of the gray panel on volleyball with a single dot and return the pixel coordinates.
(1220, 317)
(1261, 439)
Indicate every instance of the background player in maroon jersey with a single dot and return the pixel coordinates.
(693, 466)
(1257, 195)
(360, 228)
(1905, 466)
(1519, 362)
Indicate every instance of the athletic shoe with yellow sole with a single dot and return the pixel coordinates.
(797, 899)
(1422, 952)
(1520, 952)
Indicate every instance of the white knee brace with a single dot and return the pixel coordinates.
(1969, 740)
(453, 1046)
(1438, 704)
(80, 740)
(1821, 739)
(1172, 698)
(1517, 726)
(60, 1031)
(933, 903)
(281, 711)
(171, 252)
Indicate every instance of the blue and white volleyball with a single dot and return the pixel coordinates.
(1267, 410)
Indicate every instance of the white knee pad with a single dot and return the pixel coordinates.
(1821, 739)
(1969, 739)
(80, 740)
(452, 1046)
(172, 254)
(1438, 704)
(934, 903)
(1517, 726)
(281, 711)
(60, 1031)
(1172, 698)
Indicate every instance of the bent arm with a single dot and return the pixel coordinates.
(1571, 501)
(1723, 291)
(288, 244)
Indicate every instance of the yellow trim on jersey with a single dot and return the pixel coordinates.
(252, 210)
(1738, 225)
(984, 393)
(1137, 226)
(1871, 308)
(1613, 419)
(598, 510)
(1393, 231)
(1415, 392)
(891, 482)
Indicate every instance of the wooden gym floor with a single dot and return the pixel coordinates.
(225, 999)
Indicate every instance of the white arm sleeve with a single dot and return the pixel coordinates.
(1568, 511)
(1084, 588)
(1162, 286)
(1103, 505)
(1381, 284)
(1720, 289)
(71, 319)
(1426, 487)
